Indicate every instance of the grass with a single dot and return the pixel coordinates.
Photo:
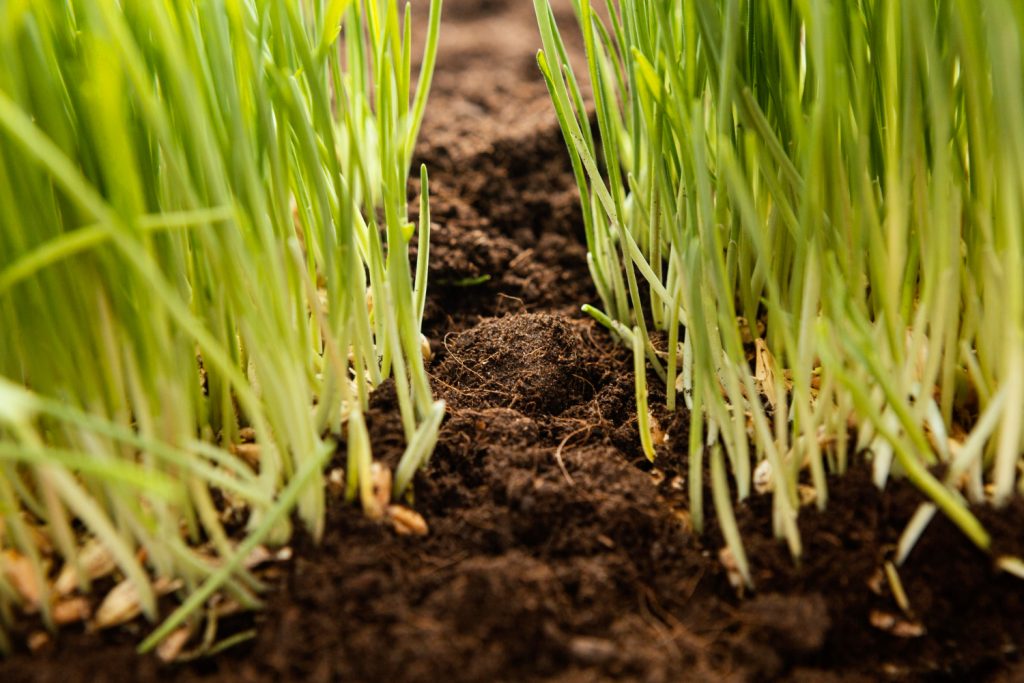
(203, 242)
(818, 205)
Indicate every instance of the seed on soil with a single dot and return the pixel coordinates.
(121, 605)
(807, 494)
(732, 569)
(428, 353)
(590, 650)
(249, 452)
(876, 582)
(890, 623)
(764, 480)
(261, 555)
(336, 482)
(37, 640)
(658, 435)
(122, 602)
(20, 573)
(71, 611)
(407, 522)
(169, 650)
(380, 474)
(1011, 565)
(95, 561)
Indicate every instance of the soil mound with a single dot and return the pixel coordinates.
(534, 363)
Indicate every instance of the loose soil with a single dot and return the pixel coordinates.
(556, 552)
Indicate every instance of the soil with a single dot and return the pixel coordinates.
(555, 551)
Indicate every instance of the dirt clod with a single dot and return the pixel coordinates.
(530, 363)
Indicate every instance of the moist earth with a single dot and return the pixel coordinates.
(555, 551)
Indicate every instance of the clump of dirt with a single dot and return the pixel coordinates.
(534, 363)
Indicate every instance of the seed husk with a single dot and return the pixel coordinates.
(428, 353)
(407, 522)
(37, 641)
(381, 476)
(22, 576)
(96, 562)
(336, 482)
(71, 611)
(170, 650)
(895, 625)
(122, 604)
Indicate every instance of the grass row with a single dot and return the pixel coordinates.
(203, 255)
(818, 202)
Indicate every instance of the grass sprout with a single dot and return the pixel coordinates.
(822, 201)
(204, 249)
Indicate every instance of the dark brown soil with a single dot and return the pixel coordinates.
(555, 552)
